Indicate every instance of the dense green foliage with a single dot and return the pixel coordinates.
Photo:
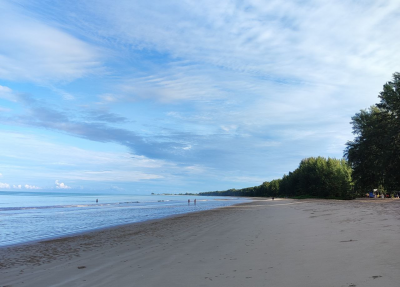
(315, 177)
(374, 154)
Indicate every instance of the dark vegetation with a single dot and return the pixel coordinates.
(315, 177)
(374, 154)
(370, 161)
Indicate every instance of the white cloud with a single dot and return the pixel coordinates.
(195, 169)
(108, 98)
(188, 147)
(4, 185)
(1, 175)
(41, 53)
(6, 93)
(229, 128)
(114, 176)
(64, 94)
(27, 186)
(19, 186)
(61, 185)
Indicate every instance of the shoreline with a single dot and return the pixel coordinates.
(104, 231)
(115, 225)
(260, 243)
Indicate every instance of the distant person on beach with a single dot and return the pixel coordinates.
(188, 201)
(273, 198)
(97, 200)
(195, 201)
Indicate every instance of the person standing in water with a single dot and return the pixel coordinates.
(195, 201)
(188, 201)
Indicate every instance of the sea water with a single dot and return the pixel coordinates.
(35, 216)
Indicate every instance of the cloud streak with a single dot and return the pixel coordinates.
(38, 115)
(41, 53)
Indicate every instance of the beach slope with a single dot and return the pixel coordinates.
(262, 243)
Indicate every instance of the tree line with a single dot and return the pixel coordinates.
(370, 162)
(315, 177)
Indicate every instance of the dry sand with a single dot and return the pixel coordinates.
(263, 243)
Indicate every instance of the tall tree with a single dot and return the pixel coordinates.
(374, 154)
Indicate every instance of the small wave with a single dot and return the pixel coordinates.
(128, 202)
(60, 206)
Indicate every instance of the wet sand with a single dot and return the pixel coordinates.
(262, 243)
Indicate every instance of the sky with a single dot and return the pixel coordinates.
(183, 96)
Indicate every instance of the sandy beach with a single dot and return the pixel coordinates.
(262, 243)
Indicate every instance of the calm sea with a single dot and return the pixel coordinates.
(33, 216)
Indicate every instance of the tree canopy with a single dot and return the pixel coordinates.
(315, 177)
(374, 153)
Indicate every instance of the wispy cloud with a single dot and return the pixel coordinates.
(175, 84)
(105, 116)
(7, 94)
(39, 52)
(112, 176)
(44, 160)
(39, 115)
(273, 39)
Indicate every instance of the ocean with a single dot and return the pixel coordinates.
(34, 216)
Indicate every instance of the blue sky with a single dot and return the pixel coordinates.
(183, 96)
